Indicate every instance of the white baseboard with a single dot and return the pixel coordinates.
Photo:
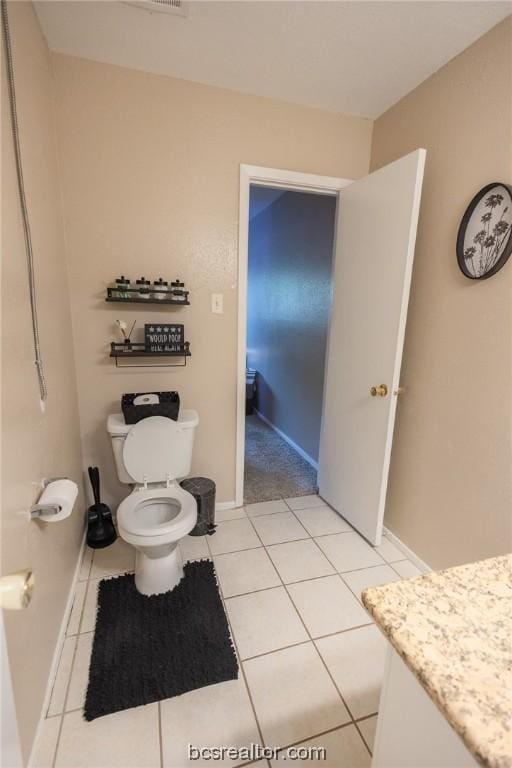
(408, 553)
(226, 505)
(57, 653)
(288, 440)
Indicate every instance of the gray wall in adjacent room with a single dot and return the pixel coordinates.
(289, 298)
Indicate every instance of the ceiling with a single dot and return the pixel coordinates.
(356, 57)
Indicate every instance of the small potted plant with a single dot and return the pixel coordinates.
(123, 327)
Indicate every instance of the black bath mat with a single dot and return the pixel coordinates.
(151, 648)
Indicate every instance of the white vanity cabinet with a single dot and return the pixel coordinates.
(411, 731)
(445, 701)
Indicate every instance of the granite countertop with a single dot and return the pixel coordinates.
(453, 629)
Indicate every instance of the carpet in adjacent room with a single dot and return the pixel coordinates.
(273, 469)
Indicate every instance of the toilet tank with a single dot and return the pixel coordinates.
(118, 429)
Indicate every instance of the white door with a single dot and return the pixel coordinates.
(376, 234)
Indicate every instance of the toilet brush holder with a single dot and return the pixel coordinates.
(100, 526)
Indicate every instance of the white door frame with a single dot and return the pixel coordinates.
(10, 752)
(264, 177)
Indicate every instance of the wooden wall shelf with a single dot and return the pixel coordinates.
(133, 296)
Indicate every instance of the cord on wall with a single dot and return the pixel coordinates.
(23, 203)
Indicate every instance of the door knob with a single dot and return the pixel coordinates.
(16, 590)
(380, 391)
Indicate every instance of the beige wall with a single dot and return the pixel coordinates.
(449, 496)
(35, 445)
(150, 185)
(150, 169)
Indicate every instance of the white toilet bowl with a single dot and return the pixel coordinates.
(153, 521)
(151, 455)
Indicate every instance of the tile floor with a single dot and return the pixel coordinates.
(311, 660)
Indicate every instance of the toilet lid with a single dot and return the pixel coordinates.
(150, 450)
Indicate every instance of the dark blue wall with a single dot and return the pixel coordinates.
(289, 299)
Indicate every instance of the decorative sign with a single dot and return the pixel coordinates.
(484, 242)
(164, 338)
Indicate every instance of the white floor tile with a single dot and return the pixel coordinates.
(118, 558)
(305, 502)
(241, 572)
(217, 715)
(264, 621)
(80, 673)
(265, 508)
(321, 521)
(76, 610)
(280, 527)
(368, 728)
(232, 536)
(344, 748)
(90, 607)
(388, 551)
(44, 749)
(356, 662)
(299, 560)
(369, 577)
(348, 551)
(327, 605)
(85, 568)
(292, 692)
(293, 695)
(193, 548)
(406, 569)
(221, 515)
(61, 680)
(127, 739)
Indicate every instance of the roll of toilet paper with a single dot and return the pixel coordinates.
(151, 398)
(60, 492)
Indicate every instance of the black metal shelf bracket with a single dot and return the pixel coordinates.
(150, 365)
(126, 351)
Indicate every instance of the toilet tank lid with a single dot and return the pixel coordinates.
(116, 425)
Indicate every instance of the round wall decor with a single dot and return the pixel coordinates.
(484, 241)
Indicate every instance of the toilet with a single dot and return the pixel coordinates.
(152, 456)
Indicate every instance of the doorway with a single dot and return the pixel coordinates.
(374, 251)
(276, 195)
(289, 290)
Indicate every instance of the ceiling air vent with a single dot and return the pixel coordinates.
(174, 7)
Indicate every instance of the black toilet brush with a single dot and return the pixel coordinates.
(100, 527)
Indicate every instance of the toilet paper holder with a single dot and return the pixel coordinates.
(37, 510)
(44, 509)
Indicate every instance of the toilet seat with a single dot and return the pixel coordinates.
(172, 521)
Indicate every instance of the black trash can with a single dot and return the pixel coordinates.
(203, 491)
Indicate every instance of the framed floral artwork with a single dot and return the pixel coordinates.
(484, 241)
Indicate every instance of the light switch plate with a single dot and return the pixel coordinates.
(217, 303)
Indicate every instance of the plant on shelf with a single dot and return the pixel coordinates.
(123, 327)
